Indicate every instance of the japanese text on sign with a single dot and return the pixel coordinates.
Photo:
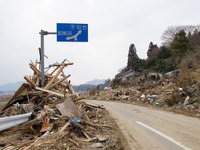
(72, 32)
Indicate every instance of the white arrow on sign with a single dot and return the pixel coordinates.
(74, 36)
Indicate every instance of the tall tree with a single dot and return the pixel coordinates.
(194, 40)
(132, 57)
(165, 61)
(165, 52)
(180, 44)
(152, 52)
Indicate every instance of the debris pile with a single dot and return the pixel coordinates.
(164, 94)
(53, 117)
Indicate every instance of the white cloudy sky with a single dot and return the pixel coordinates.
(113, 26)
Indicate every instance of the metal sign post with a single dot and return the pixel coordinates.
(66, 32)
(43, 33)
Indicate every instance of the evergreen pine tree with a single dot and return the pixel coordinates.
(180, 44)
(133, 58)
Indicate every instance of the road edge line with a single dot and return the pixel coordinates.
(163, 135)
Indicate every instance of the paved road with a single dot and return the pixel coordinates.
(149, 129)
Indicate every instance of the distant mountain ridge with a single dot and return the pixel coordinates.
(10, 87)
(13, 87)
(96, 81)
(83, 87)
(88, 85)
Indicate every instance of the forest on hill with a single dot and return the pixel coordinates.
(180, 48)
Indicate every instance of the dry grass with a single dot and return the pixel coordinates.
(189, 70)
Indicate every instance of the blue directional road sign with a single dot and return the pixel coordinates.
(71, 32)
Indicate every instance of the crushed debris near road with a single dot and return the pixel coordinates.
(54, 117)
(165, 94)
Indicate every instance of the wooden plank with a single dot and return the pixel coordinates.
(48, 91)
(36, 71)
(54, 78)
(68, 85)
(30, 81)
(66, 64)
(94, 105)
(69, 109)
(59, 81)
(57, 67)
(22, 91)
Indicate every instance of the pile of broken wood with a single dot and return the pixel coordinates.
(56, 117)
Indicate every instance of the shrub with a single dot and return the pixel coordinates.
(172, 100)
(92, 91)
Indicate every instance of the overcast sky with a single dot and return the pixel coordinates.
(113, 26)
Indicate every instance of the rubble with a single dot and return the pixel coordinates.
(58, 119)
(164, 94)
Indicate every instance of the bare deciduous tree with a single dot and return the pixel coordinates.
(169, 33)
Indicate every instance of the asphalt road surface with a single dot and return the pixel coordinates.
(150, 129)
